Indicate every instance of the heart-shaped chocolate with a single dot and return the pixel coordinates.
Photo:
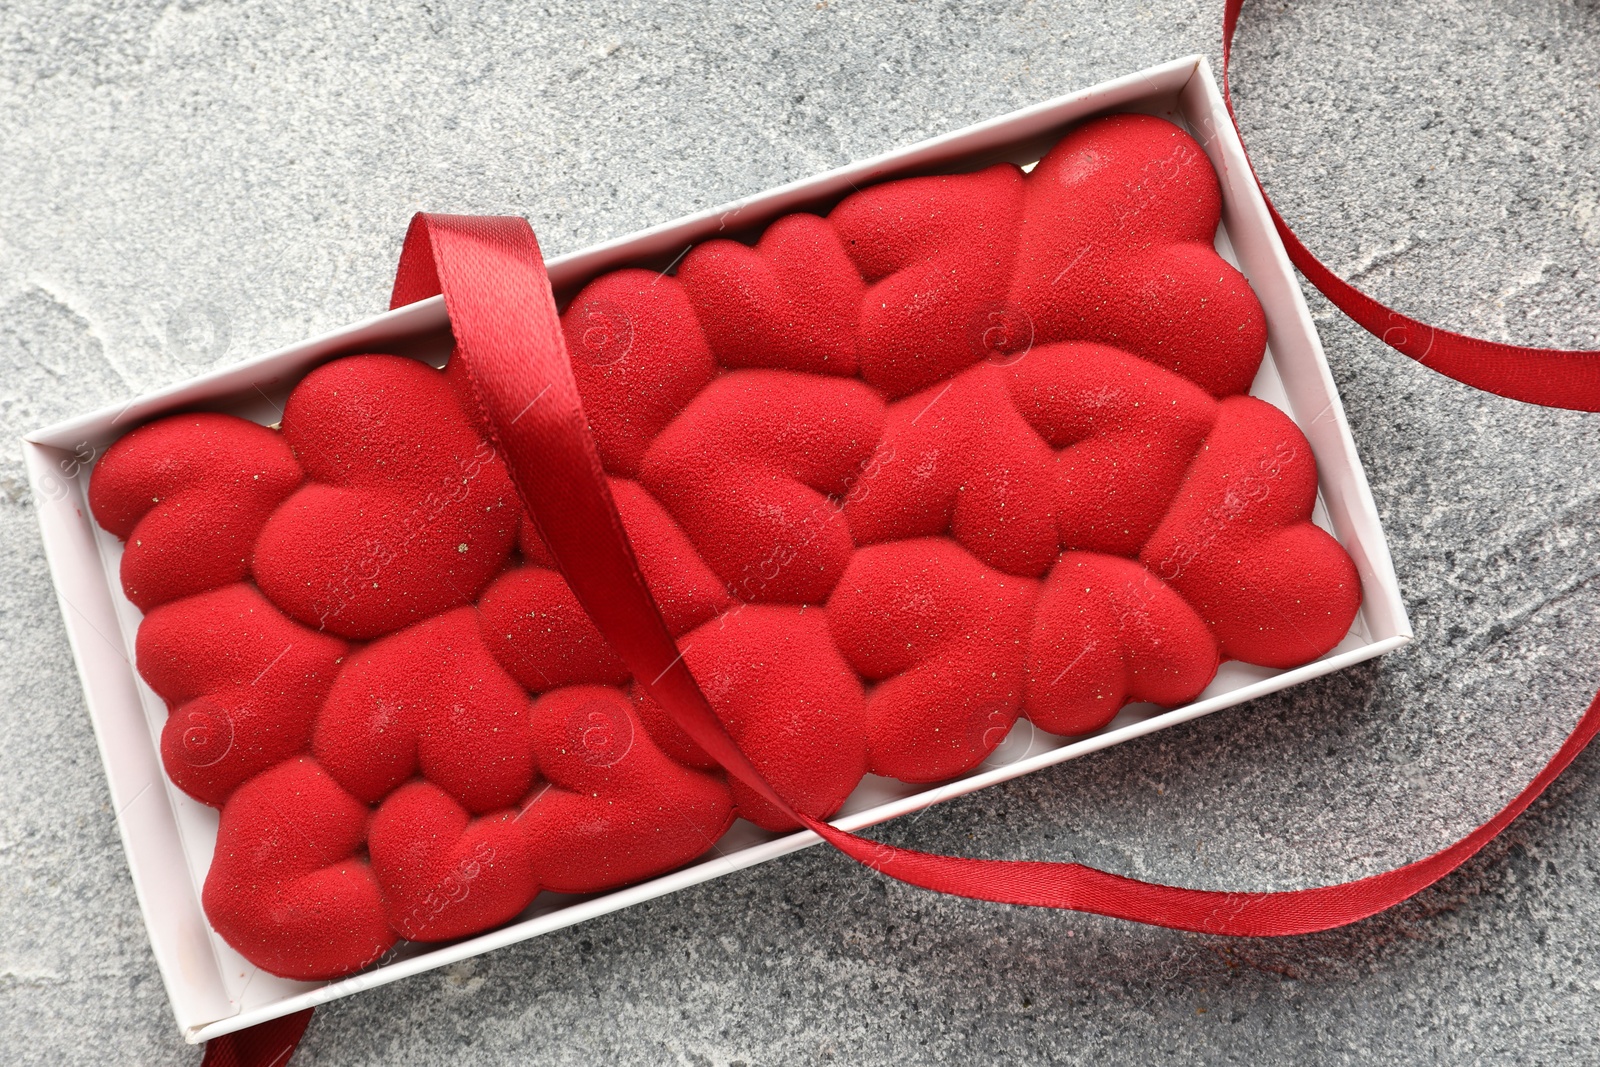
(1237, 543)
(287, 885)
(787, 698)
(188, 496)
(429, 700)
(753, 469)
(945, 639)
(407, 511)
(778, 304)
(615, 808)
(443, 873)
(248, 700)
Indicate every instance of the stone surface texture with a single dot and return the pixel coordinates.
(186, 184)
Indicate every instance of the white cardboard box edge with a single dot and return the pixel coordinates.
(185, 947)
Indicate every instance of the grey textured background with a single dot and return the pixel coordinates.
(186, 184)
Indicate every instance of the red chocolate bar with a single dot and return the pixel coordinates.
(970, 447)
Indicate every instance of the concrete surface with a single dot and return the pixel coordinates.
(190, 183)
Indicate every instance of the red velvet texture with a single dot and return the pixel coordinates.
(969, 448)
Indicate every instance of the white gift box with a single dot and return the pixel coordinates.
(169, 836)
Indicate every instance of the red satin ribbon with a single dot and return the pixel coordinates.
(509, 342)
(268, 1044)
(1550, 377)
